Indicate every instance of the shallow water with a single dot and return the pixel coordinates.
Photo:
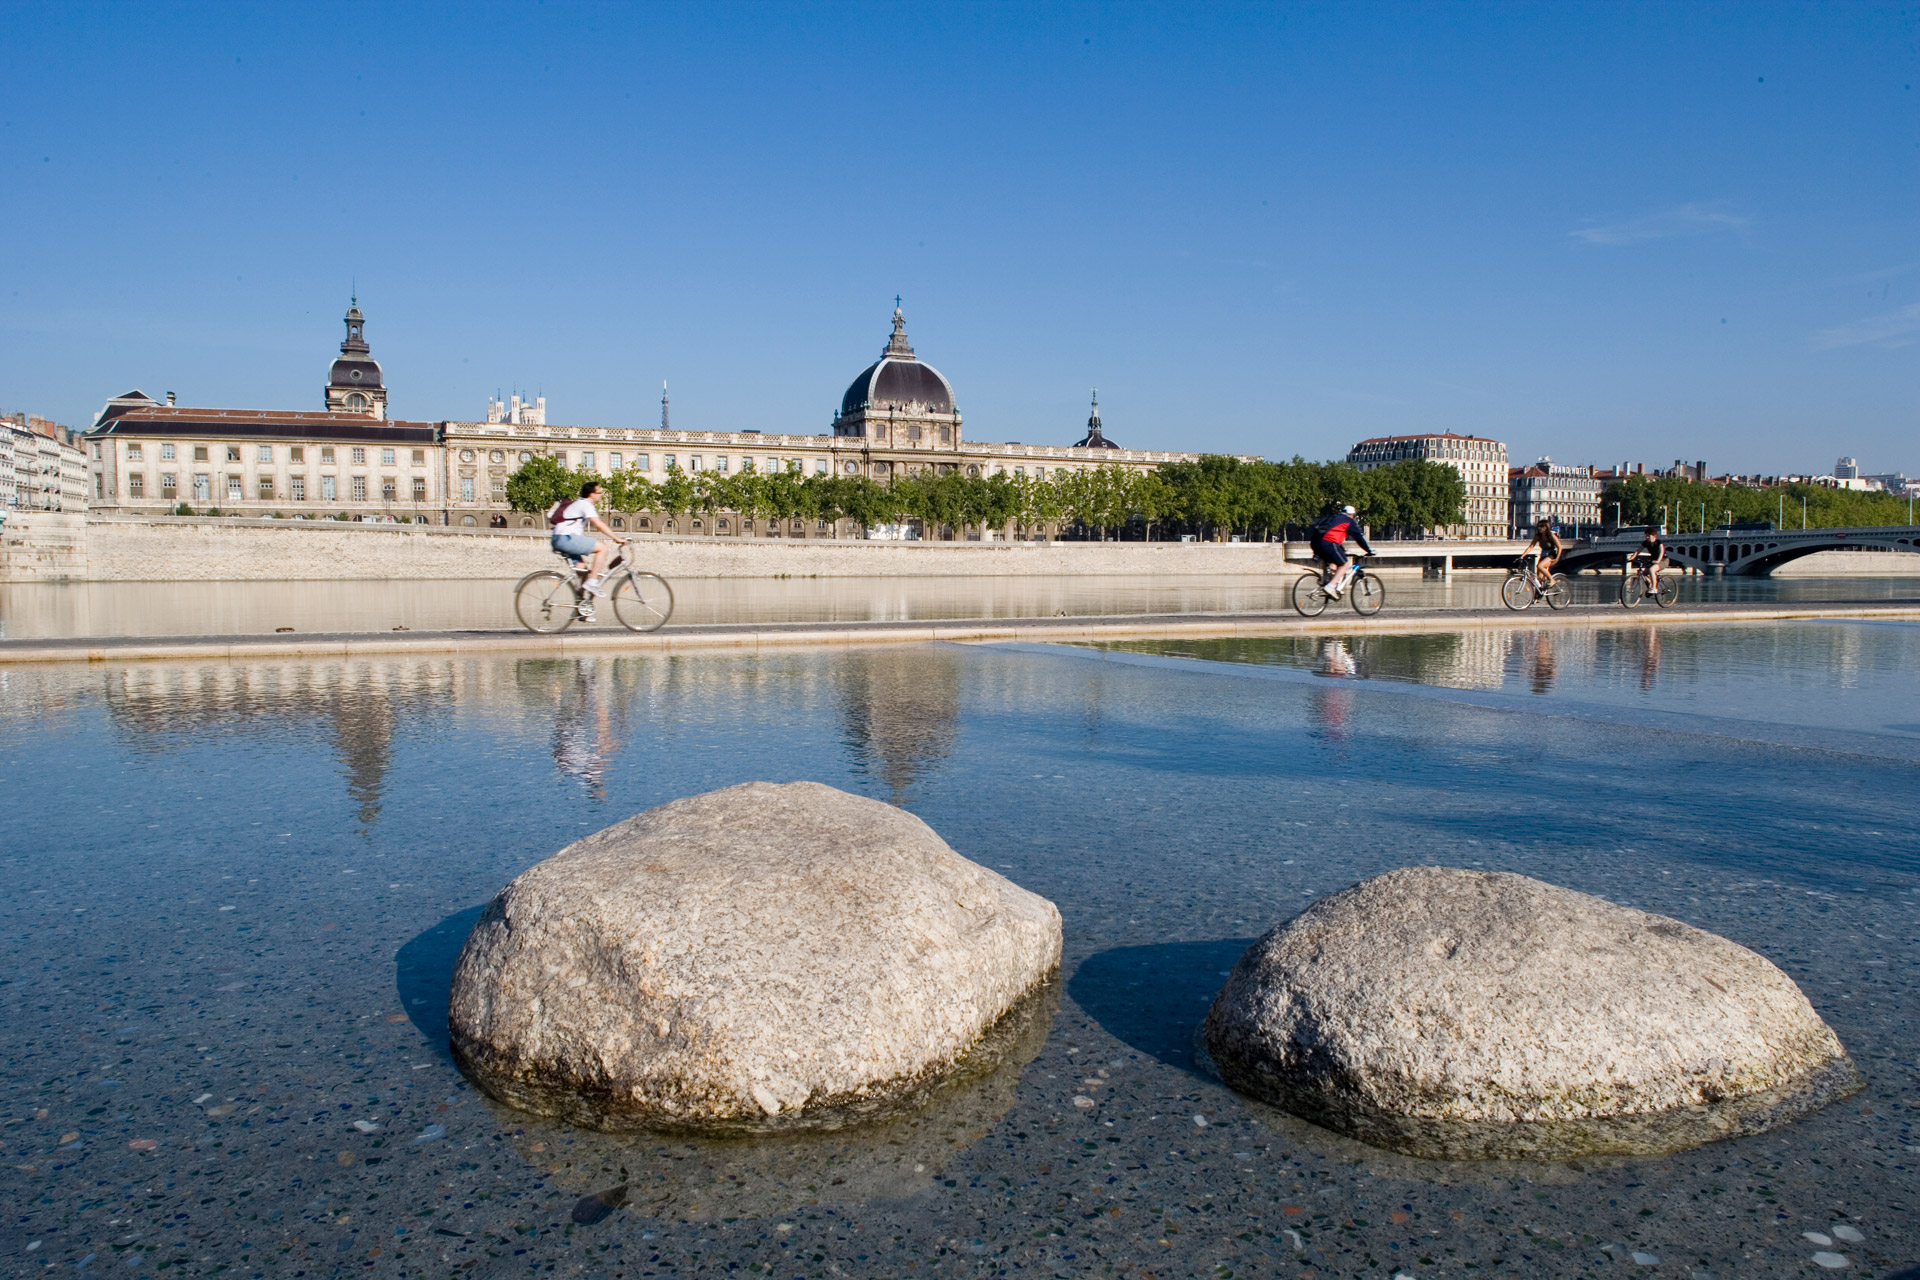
(60, 610)
(234, 892)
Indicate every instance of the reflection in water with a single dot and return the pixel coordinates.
(1650, 659)
(41, 610)
(900, 707)
(1540, 663)
(702, 1179)
(589, 703)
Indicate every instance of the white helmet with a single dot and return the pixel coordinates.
(1347, 511)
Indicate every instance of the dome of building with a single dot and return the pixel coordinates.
(899, 379)
(1095, 438)
(355, 369)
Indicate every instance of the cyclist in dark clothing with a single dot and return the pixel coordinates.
(1329, 536)
(1651, 555)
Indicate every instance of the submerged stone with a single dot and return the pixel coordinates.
(1471, 1015)
(761, 957)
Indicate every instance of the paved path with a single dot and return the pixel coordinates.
(603, 639)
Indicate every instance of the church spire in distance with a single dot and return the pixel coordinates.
(356, 343)
(663, 405)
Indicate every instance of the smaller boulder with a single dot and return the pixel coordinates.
(1472, 1015)
(761, 957)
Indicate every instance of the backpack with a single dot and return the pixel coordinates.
(1325, 524)
(555, 516)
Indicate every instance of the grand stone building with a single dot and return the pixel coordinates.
(351, 461)
(1481, 462)
(898, 416)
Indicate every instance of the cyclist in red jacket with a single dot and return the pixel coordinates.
(1330, 534)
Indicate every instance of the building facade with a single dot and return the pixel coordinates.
(1481, 462)
(897, 418)
(42, 465)
(156, 458)
(1566, 495)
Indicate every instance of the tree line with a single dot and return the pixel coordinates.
(1686, 503)
(1213, 497)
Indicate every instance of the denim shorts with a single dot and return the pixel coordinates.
(572, 545)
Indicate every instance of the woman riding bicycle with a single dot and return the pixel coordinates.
(1547, 546)
(569, 521)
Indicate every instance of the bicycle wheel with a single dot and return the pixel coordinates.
(642, 601)
(544, 601)
(1669, 591)
(1633, 589)
(1309, 597)
(1367, 593)
(1559, 592)
(1517, 591)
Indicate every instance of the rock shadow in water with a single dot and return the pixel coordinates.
(1155, 997)
(423, 974)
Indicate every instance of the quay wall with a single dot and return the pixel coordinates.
(59, 547)
(43, 546)
(136, 549)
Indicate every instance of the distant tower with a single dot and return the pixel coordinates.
(663, 407)
(1093, 438)
(1847, 469)
(354, 384)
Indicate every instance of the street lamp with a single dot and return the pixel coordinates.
(1803, 511)
(1703, 517)
(1663, 517)
(1616, 514)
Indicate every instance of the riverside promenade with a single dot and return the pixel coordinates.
(604, 639)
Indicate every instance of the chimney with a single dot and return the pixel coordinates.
(169, 399)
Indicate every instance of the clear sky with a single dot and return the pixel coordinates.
(1600, 232)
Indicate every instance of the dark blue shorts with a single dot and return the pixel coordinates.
(1332, 552)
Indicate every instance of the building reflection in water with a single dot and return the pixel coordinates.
(901, 709)
(1541, 667)
(358, 705)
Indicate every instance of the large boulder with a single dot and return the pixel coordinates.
(1471, 1014)
(756, 958)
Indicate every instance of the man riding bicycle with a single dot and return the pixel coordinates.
(569, 521)
(1651, 556)
(1547, 548)
(1329, 536)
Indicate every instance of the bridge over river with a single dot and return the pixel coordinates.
(1750, 553)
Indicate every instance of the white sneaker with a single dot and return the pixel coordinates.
(585, 613)
(595, 587)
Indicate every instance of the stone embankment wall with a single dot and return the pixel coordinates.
(135, 549)
(43, 546)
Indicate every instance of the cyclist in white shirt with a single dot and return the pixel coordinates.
(569, 521)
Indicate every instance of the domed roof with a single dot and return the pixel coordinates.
(1094, 439)
(355, 366)
(899, 378)
(358, 372)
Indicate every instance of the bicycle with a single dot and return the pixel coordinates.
(1638, 585)
(1522, 589)
(548, 601)
(1366, 592)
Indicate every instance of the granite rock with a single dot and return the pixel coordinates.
(760, 957)
(1470, 1014)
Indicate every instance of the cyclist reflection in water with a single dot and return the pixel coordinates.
(1541, 668)
(1340, 663)
(1650, 659)
(584, 736)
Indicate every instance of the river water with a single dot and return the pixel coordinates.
(43, 611)
(233, 894)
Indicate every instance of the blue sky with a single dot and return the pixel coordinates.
(1597, 232)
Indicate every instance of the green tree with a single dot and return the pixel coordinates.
(540, 482)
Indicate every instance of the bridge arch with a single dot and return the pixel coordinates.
(1754, 554)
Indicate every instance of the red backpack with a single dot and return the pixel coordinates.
(555, 516)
